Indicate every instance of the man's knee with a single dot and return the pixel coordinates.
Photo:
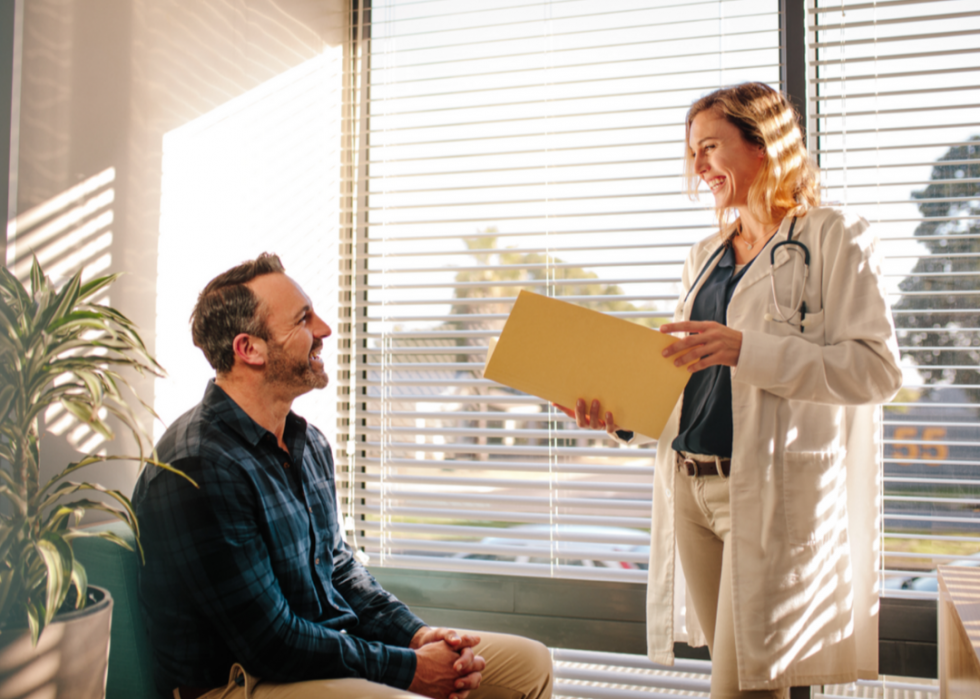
(532, 653)
(520, 664)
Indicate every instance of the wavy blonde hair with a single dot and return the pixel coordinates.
(787, 183)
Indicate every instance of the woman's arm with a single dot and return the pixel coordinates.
(858, 362)
(587, 413)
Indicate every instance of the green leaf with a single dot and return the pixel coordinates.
(88, 415)
(15, 499)
(8, 537)
(59, 518)
(6, 477)
(14, 288)
(127, 514)
(94, 285)
(80, 409)
(58, 559)
(37, 277)
(78, 320)
(176, 471)
(35, 621)
(79, 579)
(93, 385)
(7, 395)
(108, 536)
(65, 301)
(10, 589)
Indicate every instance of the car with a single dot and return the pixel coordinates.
(591, 549)
(928, 582)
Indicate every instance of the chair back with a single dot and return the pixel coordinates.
(111, 566)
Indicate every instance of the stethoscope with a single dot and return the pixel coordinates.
(800, 305)
(792, 246)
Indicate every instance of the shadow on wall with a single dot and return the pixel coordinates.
(69, 231)
(102, 82)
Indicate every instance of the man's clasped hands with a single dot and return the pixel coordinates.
(446, 666)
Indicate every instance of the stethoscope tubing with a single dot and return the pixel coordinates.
(791, 245)
(798, 307)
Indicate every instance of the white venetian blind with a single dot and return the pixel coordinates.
(494, 147)
(895, 108)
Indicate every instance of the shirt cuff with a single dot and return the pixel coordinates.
(401, 667)
(401, 628)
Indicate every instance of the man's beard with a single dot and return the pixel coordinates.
(284, 370)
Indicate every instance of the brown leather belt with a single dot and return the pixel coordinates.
(703, 468)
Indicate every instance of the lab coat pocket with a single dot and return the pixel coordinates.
(813, 327)
(811, 490)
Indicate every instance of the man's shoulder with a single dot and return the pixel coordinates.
(203, 445)
(315, 435)
(198, 432)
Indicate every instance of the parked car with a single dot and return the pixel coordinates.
(594, 551)
(928, 582)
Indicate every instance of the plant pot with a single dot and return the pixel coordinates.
(71, 657)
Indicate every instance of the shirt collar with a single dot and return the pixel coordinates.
(727, 257)
(229, 412)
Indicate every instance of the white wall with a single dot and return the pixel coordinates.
(106, 87)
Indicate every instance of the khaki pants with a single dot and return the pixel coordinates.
(517, 668)
(703, 521)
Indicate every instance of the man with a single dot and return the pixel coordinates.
(249, 589)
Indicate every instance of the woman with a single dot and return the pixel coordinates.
(767, 475)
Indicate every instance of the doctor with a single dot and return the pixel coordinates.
(768, 472)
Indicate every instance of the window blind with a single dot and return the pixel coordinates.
(895, 109)
(598, 675)
(495, 147)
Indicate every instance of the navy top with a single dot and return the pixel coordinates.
(706, 414)
(252, 566)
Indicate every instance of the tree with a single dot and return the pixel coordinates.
(496, 265)
(513, 265)
(950, 205)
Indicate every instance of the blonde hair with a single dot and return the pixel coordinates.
(787, 181)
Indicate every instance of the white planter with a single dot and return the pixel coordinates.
(70, 660)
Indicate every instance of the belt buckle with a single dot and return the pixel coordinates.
(693, 467)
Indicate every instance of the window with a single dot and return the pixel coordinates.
(499, 147)
(496, 147)
(895, 109)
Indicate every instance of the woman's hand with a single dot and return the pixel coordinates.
(709, 342)
(590, 420)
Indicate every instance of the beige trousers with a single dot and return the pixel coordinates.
(703, 522)
(517, 668)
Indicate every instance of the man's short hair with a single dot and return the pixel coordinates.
(226, 308)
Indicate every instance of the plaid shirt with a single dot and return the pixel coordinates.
(252, 567)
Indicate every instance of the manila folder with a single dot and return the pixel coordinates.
(562, 352)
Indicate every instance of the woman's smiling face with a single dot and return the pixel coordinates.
(723, 159)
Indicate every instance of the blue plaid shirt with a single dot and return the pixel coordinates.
(252, 567)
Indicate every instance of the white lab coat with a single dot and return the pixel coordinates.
(806, 463)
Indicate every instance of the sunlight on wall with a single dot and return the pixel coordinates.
(260, 173)
(69, 231)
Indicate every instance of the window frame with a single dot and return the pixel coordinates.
(611, 616)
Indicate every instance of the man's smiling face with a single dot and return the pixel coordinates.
(296, 335)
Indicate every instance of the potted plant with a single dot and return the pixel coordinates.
(58, 346)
